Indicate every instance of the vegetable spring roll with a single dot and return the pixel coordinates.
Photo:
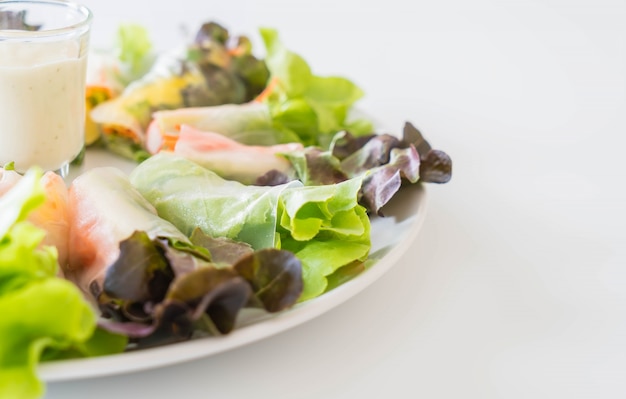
(104, 210)
(249, 123)
(127, 115)
(231, 159)
(110, 71)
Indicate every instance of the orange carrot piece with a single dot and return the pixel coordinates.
(267, 91)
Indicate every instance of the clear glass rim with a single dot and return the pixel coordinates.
(78, 8)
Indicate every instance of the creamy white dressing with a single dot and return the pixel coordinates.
(42, 104)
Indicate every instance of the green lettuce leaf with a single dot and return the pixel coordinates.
(313, 107)
(134, 50)
(21, 261)
(21, 200)
(31, 321)
(292, 71)
(326, 229)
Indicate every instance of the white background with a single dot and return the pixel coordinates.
(516, 285)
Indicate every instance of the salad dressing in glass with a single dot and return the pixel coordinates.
(42, 98)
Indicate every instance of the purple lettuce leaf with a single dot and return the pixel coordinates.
(314, 166)
(275, 277)
(378, 188)
(140, 274)
(232, 74)
(161, 291)
(218, 293)
(222, 249)
(435, 165)
(386, 162)
(383, 182)
(273, 177)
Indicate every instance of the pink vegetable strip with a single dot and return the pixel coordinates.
(159, 140)
(249, 123)
(229, 158)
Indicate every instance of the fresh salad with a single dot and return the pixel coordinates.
(254, 188)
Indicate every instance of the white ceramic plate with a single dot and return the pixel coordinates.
(392, 235)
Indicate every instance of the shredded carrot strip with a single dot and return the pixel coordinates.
(169, 142)
(91, 90)
(236, 51)
(267, 91)
(120, 131)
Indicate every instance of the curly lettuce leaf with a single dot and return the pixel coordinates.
(326, 228)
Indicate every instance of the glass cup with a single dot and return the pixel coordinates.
(43, 66)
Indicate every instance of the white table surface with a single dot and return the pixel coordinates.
(516, 285)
